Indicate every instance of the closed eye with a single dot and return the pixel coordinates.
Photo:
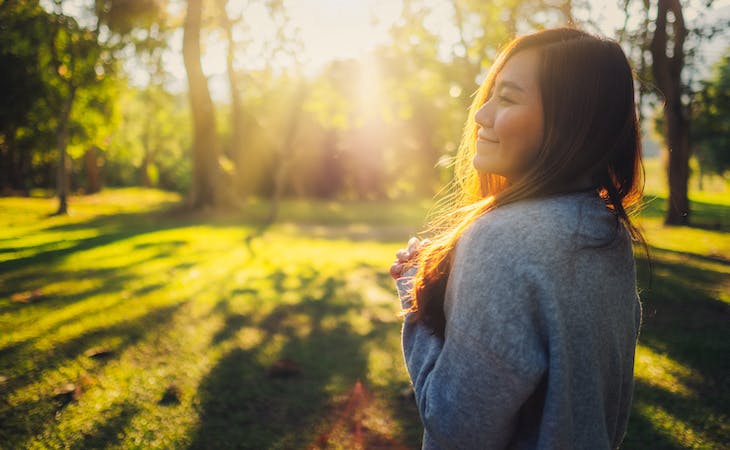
(504, 99)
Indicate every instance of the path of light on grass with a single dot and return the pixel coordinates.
(661, 371)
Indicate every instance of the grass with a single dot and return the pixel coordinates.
(167, 325)
(682, 387)
(130, 325)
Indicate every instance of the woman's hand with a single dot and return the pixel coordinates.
(405, 255)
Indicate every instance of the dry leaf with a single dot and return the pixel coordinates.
(99, 353)
(27, 296)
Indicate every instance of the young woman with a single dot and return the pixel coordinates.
(522, 312)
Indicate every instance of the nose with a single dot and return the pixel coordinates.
(484, 116)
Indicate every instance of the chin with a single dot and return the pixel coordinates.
(482, 164)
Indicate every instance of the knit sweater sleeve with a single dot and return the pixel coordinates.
(471, 385)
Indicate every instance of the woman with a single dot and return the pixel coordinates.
(522, 312)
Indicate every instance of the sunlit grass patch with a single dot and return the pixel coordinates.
(662, 372)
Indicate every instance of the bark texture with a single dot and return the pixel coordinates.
(667, 51)
(205, 152)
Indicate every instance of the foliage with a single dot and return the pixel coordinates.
(60, 76)
(711, 120)
(24, 109)
(150, 141)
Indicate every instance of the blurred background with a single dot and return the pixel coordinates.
(199, 202)
(227, 100)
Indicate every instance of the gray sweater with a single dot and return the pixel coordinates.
(542, 318)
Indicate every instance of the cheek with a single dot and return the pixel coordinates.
(520, 126)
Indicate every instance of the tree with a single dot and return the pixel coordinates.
(664, 49)
(667, 53)
(83, 56)
(205, 190)
(75, 60)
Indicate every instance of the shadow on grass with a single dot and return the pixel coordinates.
(642, 431)
(684, 320)
(662, 420)
(242, 405)
(112, 229)
(25, 419)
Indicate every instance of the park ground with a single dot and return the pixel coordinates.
(130, 324)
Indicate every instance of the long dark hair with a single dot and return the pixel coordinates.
(591, 127)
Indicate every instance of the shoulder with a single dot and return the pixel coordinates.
(534, 227)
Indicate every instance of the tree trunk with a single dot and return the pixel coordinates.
(62, 142)
(206, 171)
(237, 120)
(667, 69)
(7, 161)
(147, 157)
(286, 152)
(93, 175)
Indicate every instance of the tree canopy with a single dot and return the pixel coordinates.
(382, 125)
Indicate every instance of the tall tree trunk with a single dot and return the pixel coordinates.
(7, 160)
(667, 69)
(206, 171)
(286, 152)
(237, 119)
(91, 165)
(147, 157)
(62, 142)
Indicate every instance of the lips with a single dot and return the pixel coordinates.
(484, 138)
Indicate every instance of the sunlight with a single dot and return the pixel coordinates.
(661, 371)
(326, 30)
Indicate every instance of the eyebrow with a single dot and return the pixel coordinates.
(509, 84)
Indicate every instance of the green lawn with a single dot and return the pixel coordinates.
(130, 325)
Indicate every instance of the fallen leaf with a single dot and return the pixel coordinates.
(67, 393)
(27, 296)
(99, 353)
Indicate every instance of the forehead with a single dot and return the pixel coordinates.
(520, 69)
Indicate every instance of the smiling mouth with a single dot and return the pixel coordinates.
(483, 139)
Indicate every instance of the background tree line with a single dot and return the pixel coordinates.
(385, 126)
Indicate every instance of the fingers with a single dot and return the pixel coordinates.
(396, 270)
(403, 255)
(413, 245)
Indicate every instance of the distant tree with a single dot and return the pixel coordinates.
(664, 49)
(150, 144)
(83, 56)
(75, 64)
(710, 135)
(23, 90)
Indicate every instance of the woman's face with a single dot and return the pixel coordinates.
(511, 121)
